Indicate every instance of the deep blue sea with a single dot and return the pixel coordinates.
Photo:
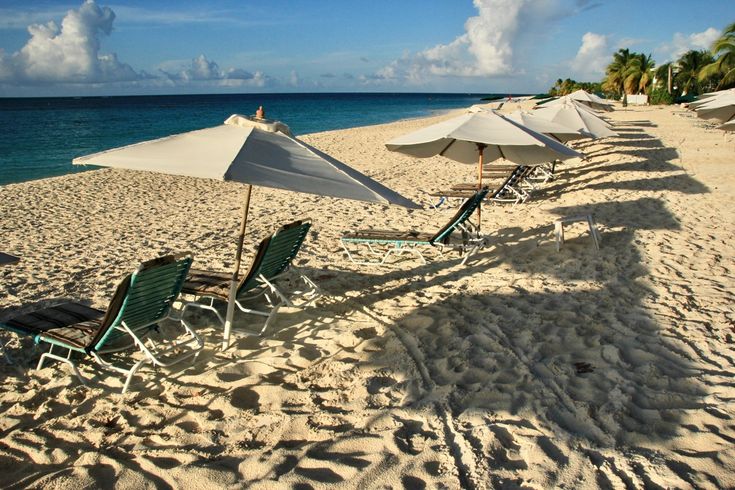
(39, 137)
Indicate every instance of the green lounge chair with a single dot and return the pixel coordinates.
(142, 300)
(397, 243)
(272, 262)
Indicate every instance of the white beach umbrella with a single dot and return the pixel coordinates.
(254, 152)
(566, 100)
(557, 131)
(576, 118)
(482, 137)
(591, 100)
(720, 107)
(728, 126)
(709, 97)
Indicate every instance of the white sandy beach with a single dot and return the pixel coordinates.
(422, 376)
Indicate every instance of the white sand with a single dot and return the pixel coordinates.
(437, 376)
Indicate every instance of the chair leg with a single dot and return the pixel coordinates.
(347, 250)
(132, 371)
(4, 348)
(270, 319)
(593, 232)
(66, 360)
(559, 234)
(470, 253)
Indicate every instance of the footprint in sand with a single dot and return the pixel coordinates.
(411, 438)
(379, 383)
(245, 398)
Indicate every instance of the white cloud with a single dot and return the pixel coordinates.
(487, 48)
(592, 56)
(293, 79)
(202, 70)
(69, 53)
(681, 43)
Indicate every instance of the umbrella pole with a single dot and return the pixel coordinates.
(234, 281)
(480, 149)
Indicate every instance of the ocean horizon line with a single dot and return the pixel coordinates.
(254, 94)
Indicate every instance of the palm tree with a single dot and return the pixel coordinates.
(639, 73)
(556, 89)
(615, 72)
(567, 87)
(690, 65)
(724, 65)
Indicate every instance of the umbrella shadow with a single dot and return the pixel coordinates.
(680, 183)
(645, 123)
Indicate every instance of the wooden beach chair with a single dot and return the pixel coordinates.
(142, 300)
(382, 244)
(273, 260)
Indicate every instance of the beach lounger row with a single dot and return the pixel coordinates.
(144, 300)
(519, 182)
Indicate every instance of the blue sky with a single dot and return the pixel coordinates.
(142, 47)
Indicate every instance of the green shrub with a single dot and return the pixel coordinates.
(660, 96)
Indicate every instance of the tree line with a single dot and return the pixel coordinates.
(694, 73)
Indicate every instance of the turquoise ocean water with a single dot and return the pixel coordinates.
(41, 136)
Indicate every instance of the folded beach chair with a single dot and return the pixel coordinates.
(512, 189)
(382, 244)
(142, 300)
(272, 262)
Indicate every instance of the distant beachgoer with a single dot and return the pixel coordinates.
(260, 113)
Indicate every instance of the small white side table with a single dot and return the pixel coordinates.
(559, 229)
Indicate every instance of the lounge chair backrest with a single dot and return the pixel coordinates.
(460, 217)
(516, 176)
(275, 254)
(143, 297)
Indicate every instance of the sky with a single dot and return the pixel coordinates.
(92, 47)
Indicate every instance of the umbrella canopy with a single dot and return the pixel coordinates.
(482, 137)
(566, 100)
(709, 97)
(243, 150)
(254, 152)
(585, 99)
(459, 139)
(576, 118)
(591, 100)
(728, 126)
(720, 107)
(540, 125)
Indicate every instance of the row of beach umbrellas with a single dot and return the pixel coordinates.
(261, 152)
